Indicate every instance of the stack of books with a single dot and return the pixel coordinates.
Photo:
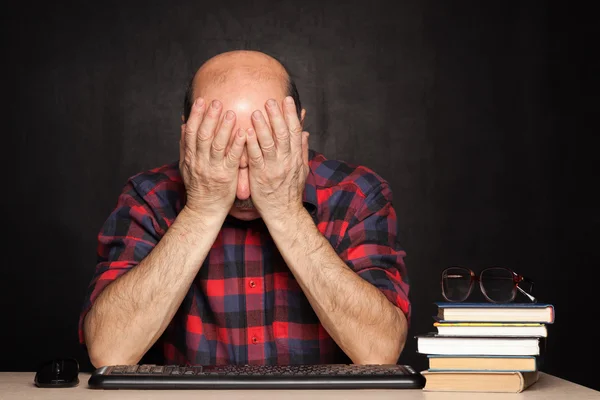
(485, 347)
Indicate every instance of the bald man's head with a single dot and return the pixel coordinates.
(244, 69)
(242, 82)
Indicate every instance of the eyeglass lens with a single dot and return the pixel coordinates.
(498, 284)
(456, 283)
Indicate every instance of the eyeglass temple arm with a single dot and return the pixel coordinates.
(533, 299)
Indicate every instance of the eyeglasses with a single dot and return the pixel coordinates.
(498, 284)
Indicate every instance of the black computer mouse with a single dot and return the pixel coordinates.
(58, 373)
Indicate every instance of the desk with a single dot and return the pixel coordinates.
(19, 385)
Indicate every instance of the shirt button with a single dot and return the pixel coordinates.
(252, 284)
(254, 339)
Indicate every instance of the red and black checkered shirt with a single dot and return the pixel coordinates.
(245, 306)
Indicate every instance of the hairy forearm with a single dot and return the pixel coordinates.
(132, 312)
(361, 320)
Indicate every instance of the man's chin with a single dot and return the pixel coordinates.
(244, 213)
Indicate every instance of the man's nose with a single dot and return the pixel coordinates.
(243, 185)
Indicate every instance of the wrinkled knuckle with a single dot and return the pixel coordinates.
(217, 147)
(188, 156)
(283, 134)
(231, 160)
(269, 148)
(255, 159)
(204, 135)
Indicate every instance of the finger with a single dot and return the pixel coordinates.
(293, 123)
(279, 127)
(206, 131)
(192, 124)
(255, 154)
(221, 140)
(182, 144)
(234, 154)
(263, 135)
(305, 136)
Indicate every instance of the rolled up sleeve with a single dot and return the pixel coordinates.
(371, 248)
(126, 237)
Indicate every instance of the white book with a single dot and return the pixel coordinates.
(541, 313)
(432, 343)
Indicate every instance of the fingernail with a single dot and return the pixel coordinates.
(271, 103)
(250, 132)
(216, 104)
(256, 115)
(240, 132)
(229, 115)
(199, 102)
(289, 100)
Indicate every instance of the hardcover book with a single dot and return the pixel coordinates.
(489, 381)
(432, 343)
(542, 313)
(483, 363)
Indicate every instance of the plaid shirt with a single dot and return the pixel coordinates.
(245, 306)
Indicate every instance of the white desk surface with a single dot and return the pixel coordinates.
(19, 385)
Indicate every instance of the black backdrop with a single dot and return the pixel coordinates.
(478, 113)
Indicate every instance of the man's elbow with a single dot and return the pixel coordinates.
(387, 354)
(102, 353)
(100, 358)
(390, 347)
(107, 361)
(381, 360)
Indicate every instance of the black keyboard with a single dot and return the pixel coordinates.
(322, 376)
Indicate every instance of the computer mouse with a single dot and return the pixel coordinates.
(58, 373)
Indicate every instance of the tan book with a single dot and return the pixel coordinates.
(488, 381)
(471, 363)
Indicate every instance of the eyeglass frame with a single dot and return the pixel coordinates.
(517, 278)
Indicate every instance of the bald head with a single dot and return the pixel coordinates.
(246, 67)
(240, 72)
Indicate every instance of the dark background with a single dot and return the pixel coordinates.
(480, 114)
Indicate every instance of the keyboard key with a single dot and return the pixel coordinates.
(131, 369)
(145, 369)
(158, 370)
(119, 369)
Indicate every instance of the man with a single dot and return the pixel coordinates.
(251, 249)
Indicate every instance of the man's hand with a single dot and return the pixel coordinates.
(278, 160)
(208, 168)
